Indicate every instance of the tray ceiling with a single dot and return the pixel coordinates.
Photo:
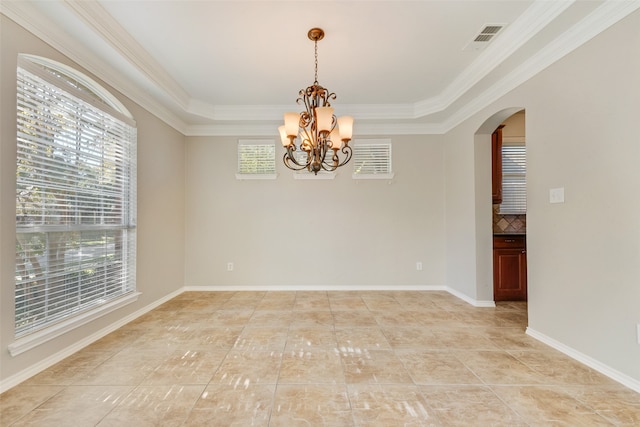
(233, 67)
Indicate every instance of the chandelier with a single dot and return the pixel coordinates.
(313, 138)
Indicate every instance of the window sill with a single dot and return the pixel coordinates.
(373, 176)
(513, 213)
(311, 175)
(242, 176)
(40, 337)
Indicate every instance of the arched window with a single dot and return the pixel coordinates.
(75, 198)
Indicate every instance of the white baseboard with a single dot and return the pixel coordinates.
(473, 302)
(457, 294)
(316, 288)
(615, 375)
(40, 366)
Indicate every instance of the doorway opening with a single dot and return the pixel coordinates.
(509, 206)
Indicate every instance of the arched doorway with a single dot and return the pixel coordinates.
(485, 210)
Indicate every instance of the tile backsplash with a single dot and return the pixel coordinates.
(508, 223)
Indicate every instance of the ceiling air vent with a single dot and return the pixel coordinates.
(482, 38)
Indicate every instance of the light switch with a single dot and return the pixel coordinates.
(556, 195)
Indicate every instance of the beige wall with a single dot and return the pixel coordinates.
(585, 254)
(372, 231)
(514, 127)
(582, 132)
(160, 258)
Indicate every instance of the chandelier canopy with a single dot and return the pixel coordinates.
(314, 137)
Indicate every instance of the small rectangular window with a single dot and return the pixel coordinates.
(514, 178)
(372, 159)
(256, 159)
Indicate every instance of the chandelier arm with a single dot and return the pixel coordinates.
(305, 98)
(290, 149)
(307, 138)
(348, 151)
(286, 159)
(305, 120)
(333, 165)
(289, 156)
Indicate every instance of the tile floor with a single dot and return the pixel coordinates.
(321, 359)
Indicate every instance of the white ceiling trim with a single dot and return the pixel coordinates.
(103, 24)
(275, 112)
(596, 22)
(35, 22)
(271, 129)
(535, 18)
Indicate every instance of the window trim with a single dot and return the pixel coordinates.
(36, 64)
(54, 330)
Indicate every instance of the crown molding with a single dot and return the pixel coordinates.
(399, 129)
(234, 129)
(33, 20)
(275, 112)
(596, 22)
(535, 18)
(379, 111)
(539, 15)
(271, 129)
(103, 24)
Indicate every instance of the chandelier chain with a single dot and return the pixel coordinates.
(316, 56)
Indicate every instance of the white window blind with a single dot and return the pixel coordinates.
(514, 178)
(372, 159)
(75, 199)
(256, 159)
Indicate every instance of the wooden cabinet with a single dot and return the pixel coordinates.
(496, 165)
(509, 268)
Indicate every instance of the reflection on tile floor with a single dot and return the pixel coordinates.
(321, 359)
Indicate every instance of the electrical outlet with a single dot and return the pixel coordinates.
(419, 265)
(229, 266)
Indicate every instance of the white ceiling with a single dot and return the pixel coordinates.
(233, 67)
